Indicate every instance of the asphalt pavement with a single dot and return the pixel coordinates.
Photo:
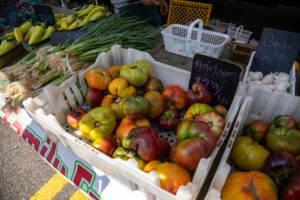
(22, 171)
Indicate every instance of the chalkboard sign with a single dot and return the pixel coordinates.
(44, 14)
(222, 78)
(12, 15)
(61, 37)
(277, 50)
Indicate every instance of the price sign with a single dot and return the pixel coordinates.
(44, 14)
(61, 37)
(277, 50)
(12, 15)
(221, 78)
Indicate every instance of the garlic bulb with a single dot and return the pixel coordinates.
(255, 82)
(268, 79)
(282, 86)
(256, 76)
(267, 87)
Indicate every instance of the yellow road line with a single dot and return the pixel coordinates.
(51, 188)
(78, 195)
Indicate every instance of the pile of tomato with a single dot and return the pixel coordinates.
(127, 100)
(268, 155)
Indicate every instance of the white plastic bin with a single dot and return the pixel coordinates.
(53, 120)
(251, 88)
(188, 40)
(239, 34)
(263, 106)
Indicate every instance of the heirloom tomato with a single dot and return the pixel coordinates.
(127, 124)
(119, 87)
(169, 120)
(196, 129)
(114, 103)
(135, 107)
(157, 104)
(280, 164)
(196, 110)
(98, 78)
(251, 185)
(154, 84)
(126, 154)
(199, 93)
(284, 139)
(247, 154)
(114, 71)
(106, 143)
(171, 176)
(98, 122)
(137, 73)
(145, 141)
(291, 190)
(285, 121)
(257, 130)
(174, 97)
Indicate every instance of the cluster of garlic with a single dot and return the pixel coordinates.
(271, 82)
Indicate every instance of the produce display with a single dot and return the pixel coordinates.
(270, 82)
(53, 64)
(127, 123)
(31, 33)
(268, 153)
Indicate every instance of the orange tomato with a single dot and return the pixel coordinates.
(151, 165)
(171, 175)
(157, 104)
(128, 124)
(248, 185)
(120, 87)
(98, 78)
(114, 71)
(113, 102)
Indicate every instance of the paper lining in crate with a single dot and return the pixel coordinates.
(50, 110)
(251, 87)
(188, 40)
(263, 106)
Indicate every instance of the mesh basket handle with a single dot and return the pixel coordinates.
(192, 25)
(238, 32)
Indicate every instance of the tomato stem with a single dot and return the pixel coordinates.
(97, 124)
(251, 188)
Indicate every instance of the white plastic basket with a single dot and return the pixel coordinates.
(238, 33)
(264, 106)
(188, 40)
(251, 88)
(54, 123)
